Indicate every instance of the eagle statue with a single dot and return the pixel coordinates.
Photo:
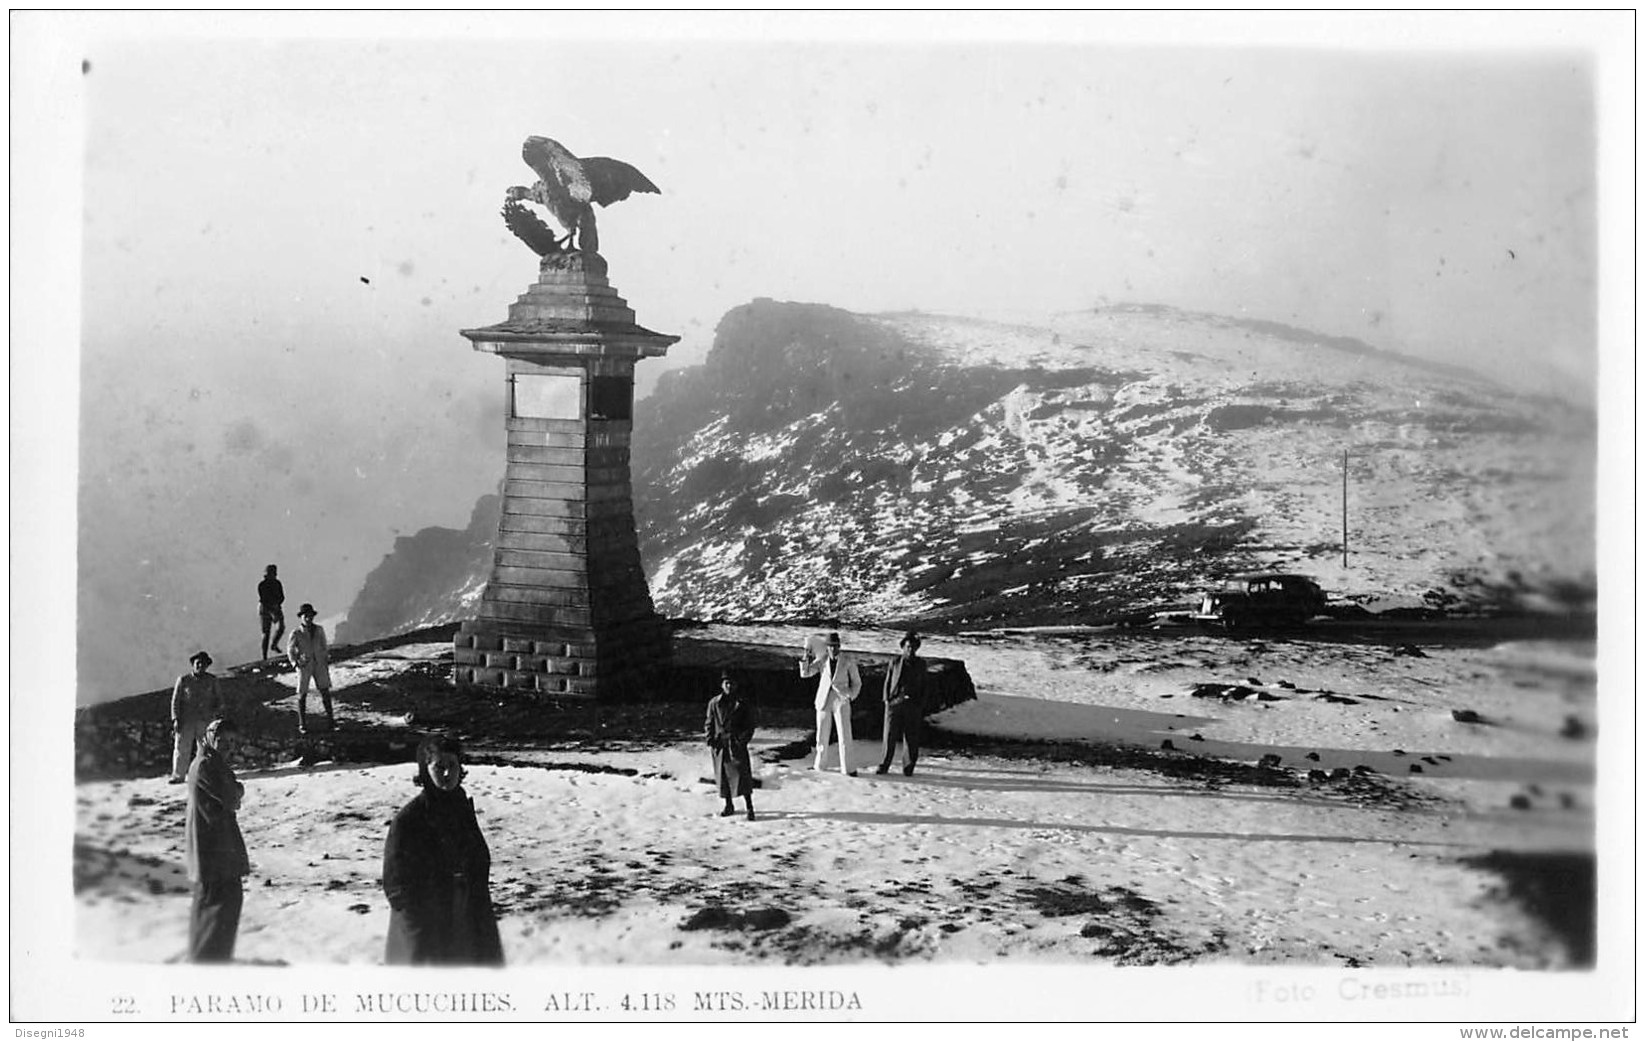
(567, 187)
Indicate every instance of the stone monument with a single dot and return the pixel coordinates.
(566, 611)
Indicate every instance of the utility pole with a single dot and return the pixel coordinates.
(1345, 508)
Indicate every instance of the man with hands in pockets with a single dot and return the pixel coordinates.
(838, 682)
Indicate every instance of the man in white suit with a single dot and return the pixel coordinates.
(838, 682)
(309, 652)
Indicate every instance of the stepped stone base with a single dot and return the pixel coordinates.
(565, 663)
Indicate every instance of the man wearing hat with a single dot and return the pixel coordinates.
(904, 704)
(728, 730)
(838, 681)
(308, 652)
(195, 702)
(213, 850)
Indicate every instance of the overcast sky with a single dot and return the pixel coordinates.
(286, 221)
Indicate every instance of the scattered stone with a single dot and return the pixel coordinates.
(1360, 768)
(1222, 692)
(359, 909)
(1168, 744)
(767, 919)
(1442, 756)
(1317, 775)
(1339, 773)
(1341, 700)
(1264, 696)
(1430, 760)
(1416, 768)
(1312, 756)
(1287, 685)
(1410, 651)
(1466, 716)
(1573, 728)
(1196, 737)
(715, 917)
(1567, 801)
(1520, 801)
(710, 918)
(336, 884)
(1253, 681)
(1399, 752)
(1269, 760)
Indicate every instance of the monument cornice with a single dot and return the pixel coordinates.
(569, 338)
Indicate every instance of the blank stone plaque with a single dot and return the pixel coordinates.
(549, 396)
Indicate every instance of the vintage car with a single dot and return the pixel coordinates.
(1263, 599)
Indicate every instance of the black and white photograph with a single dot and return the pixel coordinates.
(768, 517)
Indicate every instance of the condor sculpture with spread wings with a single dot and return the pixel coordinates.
(567, 187)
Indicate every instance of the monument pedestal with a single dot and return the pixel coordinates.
(566, 610)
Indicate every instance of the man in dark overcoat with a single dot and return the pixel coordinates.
(213, 849)
(437, 871)
(905, 681)
(729, 728)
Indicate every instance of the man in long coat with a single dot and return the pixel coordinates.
(729, 728)
(838, 682)
(196, 701)
(310, 653)
(213, 849)
(905, 681)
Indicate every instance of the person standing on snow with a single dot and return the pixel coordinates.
(905, 682)
(437, 871)
(729, 728)
(213, 849)
(838, 682)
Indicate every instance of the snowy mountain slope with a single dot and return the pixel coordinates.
(970, 471)
(897, 467)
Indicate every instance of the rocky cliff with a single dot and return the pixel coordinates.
(434, 576)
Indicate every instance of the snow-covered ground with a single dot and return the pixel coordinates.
(985, 854)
